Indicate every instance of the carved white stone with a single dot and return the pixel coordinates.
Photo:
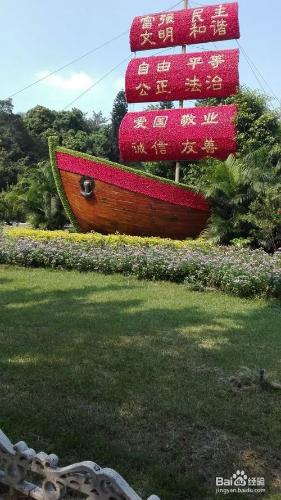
(18, 462)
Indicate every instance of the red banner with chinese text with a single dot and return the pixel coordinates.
(185, 27)
(183, 76)
(178, 134)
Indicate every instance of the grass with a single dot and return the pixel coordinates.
(135, 376)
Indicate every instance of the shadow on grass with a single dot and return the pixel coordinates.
(99, 372)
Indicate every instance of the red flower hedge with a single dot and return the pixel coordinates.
(185, 27)
(178, 134)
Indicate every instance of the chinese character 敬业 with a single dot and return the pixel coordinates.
(209, 146)
(193, 84)
(166, 34)
(146, 38)
(139, 148)
(194, 61)
(162, 87)
(147, 22)
(211, 119)
(214, 83)
(143, 68)
(163, 67)
(143, 89)
(188, 147)
(160, 121)
(188, 120)
(166, 19)
(160, 147)
(140, 122)
(216, 60)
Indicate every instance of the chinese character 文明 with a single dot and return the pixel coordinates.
(220, 11)
(197, 30)
(188, 147)
(219, 27)
(216, 60)
(166, 19)
(139, 148)
(188, 120)
(209, 146)
(160, 121)
(196, 15)
(146, 38)
(140, 122)
(194, 61)
(214, 83)
(143, 68)
(143, 89)
(162, 87)
(163, 67)
(211, 119)
(193, 84)
(160, 147)
(147, 22)
(166, 34)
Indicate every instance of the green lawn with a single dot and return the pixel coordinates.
(135, 376)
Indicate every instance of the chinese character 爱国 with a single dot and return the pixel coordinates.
(188, 120)
(143, 68)
(188, 147)
(140, 122)
(143, 89)
(160, 121)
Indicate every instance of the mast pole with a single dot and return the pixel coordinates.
(178, 165)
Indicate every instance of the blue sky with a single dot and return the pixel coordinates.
(38, 36)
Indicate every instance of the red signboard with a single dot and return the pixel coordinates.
(183, 76)
(185, 27)
(178, 134)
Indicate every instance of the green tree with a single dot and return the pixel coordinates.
(119, 110)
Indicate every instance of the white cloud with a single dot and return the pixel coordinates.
(76, 81)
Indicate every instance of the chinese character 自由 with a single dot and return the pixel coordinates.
(143, 88)
(189, 119)
(160, 147)
(216, 60)
(210, 119)
(214, 83)
(140, 122)
(147, 22)
(188, 147)
(163, 67)
(194, 61)
(209, 146)
(166, 19)
(193, 84)
(162, 87)
(160, 121)
(146, 38)
(143, 68)
(139, 148)
(166, 34)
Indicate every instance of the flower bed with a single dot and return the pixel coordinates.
(237, 271)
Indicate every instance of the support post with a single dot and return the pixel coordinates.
(178, 165)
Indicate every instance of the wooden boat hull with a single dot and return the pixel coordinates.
(125, 200)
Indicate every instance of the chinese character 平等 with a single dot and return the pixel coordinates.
(167, 19)
(214, 83)
(143, 88)
(143, 68)
(194, 61)
(162, 87)
(147, 22)
(188, 147)
(163, 67)
(146, 38)
(216, 60)
(211, 119)
(220, 11)
(219, 27)
(139, 148)
(166, 34)
(160, 121)
(209, 146)
(189, 119)
(160, 147)
(140, 122)
(193, 84)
